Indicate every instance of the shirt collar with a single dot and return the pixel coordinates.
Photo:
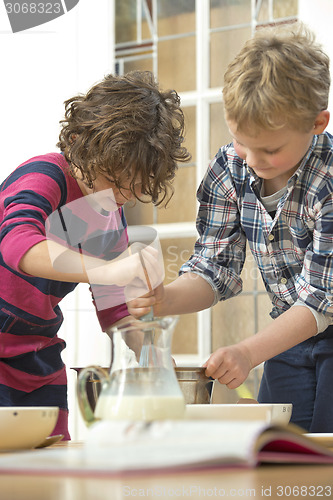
(306, 157)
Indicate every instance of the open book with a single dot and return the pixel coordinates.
(114, 447)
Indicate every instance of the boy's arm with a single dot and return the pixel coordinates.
(231, 365)
(187, 294)
(72, 267)
(37, 262)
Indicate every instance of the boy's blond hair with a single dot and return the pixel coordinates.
(280, 77)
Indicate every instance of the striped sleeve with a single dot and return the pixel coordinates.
(28, 197)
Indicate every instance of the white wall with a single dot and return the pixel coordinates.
(40, 68)
(318, 16)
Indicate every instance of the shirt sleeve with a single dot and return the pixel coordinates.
(314, 285)
(220, 249)
(107, 317)
(110, 300)
(323, 321)
(28, 197)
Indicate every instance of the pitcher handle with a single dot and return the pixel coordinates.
(84, 405)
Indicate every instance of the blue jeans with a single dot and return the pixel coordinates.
(303, 376)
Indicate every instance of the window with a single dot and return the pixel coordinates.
(188, 45)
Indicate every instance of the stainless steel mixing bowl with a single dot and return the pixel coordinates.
(195, 386)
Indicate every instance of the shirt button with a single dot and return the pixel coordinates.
(271, 237)
(283, 281)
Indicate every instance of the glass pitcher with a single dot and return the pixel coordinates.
(141, 383)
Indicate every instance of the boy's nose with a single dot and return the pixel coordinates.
(252, 159)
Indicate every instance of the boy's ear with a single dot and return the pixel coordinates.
(321, 122)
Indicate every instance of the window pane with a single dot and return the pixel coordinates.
(264, 308)
(223, 48)
(190, 130)
(175, 17)
(281, 9)
(250, 273)
(139, 65)
(176, 63)
(125, 20)
(182, 206)
(185, 337)
(229, 12)
(232, 321)
(176, 252)
(219, 132)
(137, 213)
(263, 14)
(285, 8)
(241, 317)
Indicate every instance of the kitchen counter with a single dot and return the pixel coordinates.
(274, 481)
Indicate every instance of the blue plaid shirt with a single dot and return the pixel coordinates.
(293, 250)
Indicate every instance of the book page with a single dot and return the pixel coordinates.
(117, 446)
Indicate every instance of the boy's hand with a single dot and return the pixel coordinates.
(140, 306)
(229, 365)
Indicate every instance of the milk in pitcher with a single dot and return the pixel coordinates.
(146, 396)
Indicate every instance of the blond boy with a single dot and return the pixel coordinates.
(272, 188)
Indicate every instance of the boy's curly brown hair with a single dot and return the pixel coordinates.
(127, 129)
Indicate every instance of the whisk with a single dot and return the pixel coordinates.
(148, 338)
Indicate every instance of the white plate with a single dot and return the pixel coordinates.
(24, 427)
(273, 413)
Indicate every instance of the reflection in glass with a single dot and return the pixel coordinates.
(190, 130)
(175, 17)
(176, 63)
(263, 11)
(139, 213)
(232, 321)
(223, 48)
(125, 21)
(182, 206)
(219, 132)
(229, 12)
(138, 65)
(176, 251)
(285, 8)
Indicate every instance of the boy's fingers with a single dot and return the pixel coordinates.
(137, 313)
(159, 292)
